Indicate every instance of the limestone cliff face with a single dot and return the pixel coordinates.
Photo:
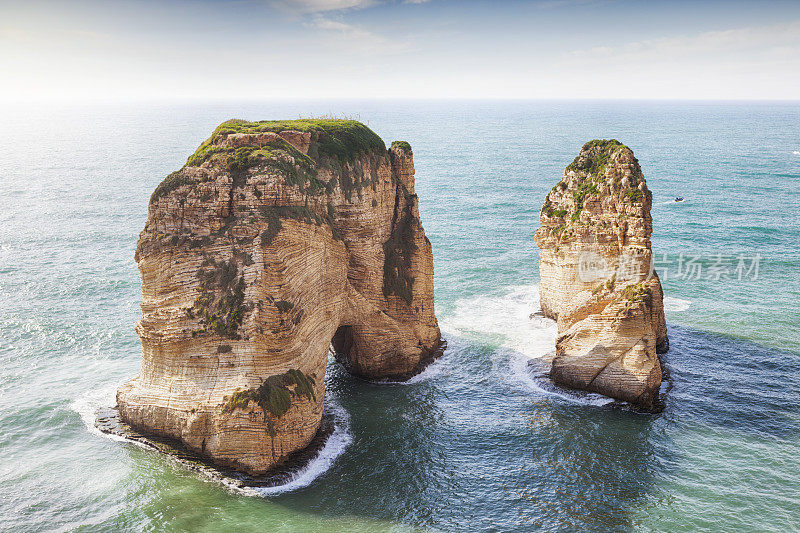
(275, 240)
(596, 278)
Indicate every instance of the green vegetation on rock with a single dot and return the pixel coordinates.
(333, 143)
(170, 183)
(579, 195)
(594, 156)
(220, 305)
(591, 166)
(548, 210)
(331, 138)
(274, 214)
(632, 295)
(633, 194)
(275, 394)
(403, 145)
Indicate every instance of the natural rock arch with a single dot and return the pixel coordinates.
(274, 241)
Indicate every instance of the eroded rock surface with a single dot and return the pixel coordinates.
(275, 240)
(596, 278)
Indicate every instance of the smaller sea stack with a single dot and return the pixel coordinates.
(597, 279)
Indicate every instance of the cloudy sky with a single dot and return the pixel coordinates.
(256, 49)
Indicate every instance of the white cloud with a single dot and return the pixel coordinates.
(553, 4)
(319, 6)
(725, 43)
(749, 62)
(348, 31)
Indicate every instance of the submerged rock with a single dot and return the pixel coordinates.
(596, 276)
(274, 241)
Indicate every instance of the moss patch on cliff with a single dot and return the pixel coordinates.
(591, 165)
(549, 211)
(275, 154)
(170, 183)
(579, 195)
(633, 195)
(632, 296)
(274, 214)
(275, 394)
(220, 305)
(334, 143)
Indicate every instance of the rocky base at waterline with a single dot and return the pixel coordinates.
(108, 421)
(538, 370)
(597, 280)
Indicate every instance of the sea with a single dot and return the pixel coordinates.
(481, 440)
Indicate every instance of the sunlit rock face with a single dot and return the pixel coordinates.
(275, 241)
(596, 278)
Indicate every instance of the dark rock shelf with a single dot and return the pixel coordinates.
(108, 421)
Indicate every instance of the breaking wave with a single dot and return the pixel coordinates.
(336, 444)
(526, 338)
(676, 305)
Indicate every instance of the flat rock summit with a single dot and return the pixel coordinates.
(596, 277)
(275, 242)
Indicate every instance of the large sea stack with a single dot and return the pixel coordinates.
(596, 277)
(276, 241)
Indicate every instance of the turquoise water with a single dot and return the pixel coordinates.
(479, 442)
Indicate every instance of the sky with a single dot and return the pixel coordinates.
(190, 50)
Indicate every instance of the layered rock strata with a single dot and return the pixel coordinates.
(275, 241)
(596, 276)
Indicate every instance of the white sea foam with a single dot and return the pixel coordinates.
(431, 371)
(527, 340)
(534, 377)
(338, 441)
(675, 305)
(507, 319)
(796, 152)
(90, 403)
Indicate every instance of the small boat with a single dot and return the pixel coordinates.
(679, 199)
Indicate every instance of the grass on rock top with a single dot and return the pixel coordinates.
(333, 142)
(333, 138)
(594, 156)
(403, 145)
(592, 162)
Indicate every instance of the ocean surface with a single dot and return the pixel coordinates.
(480, 441)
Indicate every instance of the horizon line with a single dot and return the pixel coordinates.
(243, 100)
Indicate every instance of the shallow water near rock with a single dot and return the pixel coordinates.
(479, 441)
